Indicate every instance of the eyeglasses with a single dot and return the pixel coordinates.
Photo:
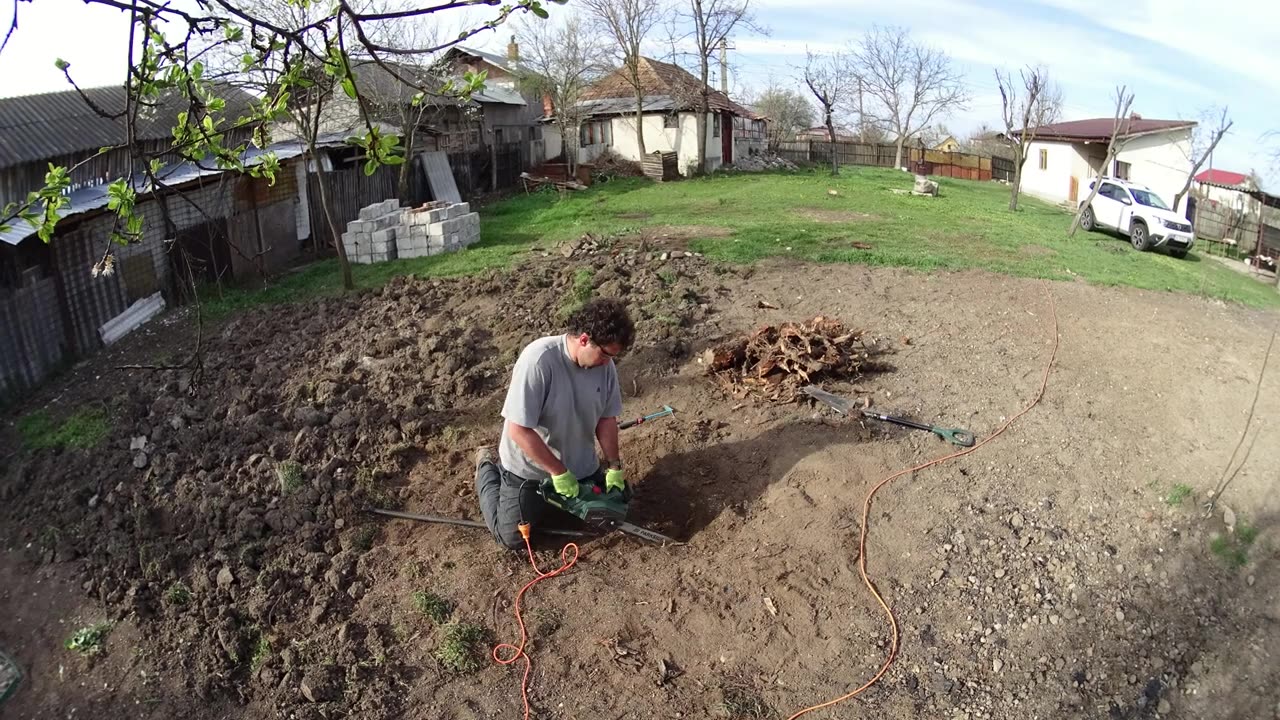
(606, 353)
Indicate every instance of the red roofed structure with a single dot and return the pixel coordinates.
(1224, 178)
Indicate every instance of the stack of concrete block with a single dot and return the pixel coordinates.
(372, 238)
(435, 228)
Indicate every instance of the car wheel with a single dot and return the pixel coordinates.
(1180, 254)
(1087, 221)
(1138, 236)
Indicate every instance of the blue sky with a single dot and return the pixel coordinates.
(1177, 57)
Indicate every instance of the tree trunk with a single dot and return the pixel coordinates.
(1015, 187)
(704, 107)
(1178, 197)
(897, 154)
(570, 152)
(402, 186)
(323, 182)
(640, 124)
(831, 136)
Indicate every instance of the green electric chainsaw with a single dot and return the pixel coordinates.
(602, 509)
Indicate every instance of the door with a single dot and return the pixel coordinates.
(1073, 192)
(726, 138)
(1107, 206)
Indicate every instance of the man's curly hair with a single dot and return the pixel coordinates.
(605, 321)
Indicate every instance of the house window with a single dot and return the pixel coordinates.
(1044, 159)
(1122, 170)
(596, 133)
(715, 126)
(671, 121)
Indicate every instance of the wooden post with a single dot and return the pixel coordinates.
(493, 165)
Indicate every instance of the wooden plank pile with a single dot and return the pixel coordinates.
(662, 166)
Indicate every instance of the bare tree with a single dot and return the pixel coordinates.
(712, 22)
(788, 112)
(559, 63)
(1119, 132)
(1027, 106)
(911, 84)
(826, 75)
(626, 24)
(1203, 143)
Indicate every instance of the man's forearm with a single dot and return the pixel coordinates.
(528, 440)
(607, 435)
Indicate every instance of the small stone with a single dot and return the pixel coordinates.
(93, 502)
(937, 574)
(999, 572)
(1163, 707)
(663, 257)
(1026, 540)
(1120, 615)
(1054, 619)
(997, 665)
(316, 614)
(140, 460)
(1251, 580)
(356, 591)
(1017, 521)
(225, 578)
(138, 443)
(1229, 517)
(339, 524)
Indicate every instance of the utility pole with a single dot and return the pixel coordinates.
(862, 124)
(724, 65)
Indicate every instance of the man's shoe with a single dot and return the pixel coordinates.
(484, 455)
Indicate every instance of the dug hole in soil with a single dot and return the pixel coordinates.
(222, 530)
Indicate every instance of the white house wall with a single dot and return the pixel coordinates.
(682, 140)
(1054, 182)
(1162, 162)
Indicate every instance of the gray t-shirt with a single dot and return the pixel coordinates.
(563, 402)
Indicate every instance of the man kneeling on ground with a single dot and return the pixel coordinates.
(563, 398)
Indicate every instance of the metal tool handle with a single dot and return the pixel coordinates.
(955, 436)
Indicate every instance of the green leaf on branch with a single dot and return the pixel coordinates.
(61, 64)
(349, 88)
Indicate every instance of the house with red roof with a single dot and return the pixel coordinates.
(1064, 157)
(1228, 188)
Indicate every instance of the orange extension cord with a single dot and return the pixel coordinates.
(566, 562)
(866, 514)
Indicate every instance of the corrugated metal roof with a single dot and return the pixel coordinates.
(494, 59)
(95, 198)
(499, 95)
(1226, 178)
(621, 106)
(39, 127)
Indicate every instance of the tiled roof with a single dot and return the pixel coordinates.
(659, 79)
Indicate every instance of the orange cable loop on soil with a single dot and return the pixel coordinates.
(566, 562)
(866, 514)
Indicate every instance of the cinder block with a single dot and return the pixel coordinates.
(461, 209)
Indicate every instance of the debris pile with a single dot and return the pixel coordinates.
(776, 361)
(761, 163)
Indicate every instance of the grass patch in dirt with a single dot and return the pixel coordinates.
(88, 640)
(580, 294)
(178, 595)
(462, 647)
(290, 474)
(261, 651)
(1229, 552)
(83, 429)
(1178, 494)
(432, 605)
(739, 701)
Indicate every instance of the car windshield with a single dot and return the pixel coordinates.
(1148, 198)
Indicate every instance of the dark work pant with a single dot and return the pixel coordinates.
(506, 500)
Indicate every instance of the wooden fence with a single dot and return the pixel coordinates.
(32, 339)
(919, 160)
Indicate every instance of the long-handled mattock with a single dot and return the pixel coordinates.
(955, 436)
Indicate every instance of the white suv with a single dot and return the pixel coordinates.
(1133, 209)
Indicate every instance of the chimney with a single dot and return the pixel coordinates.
(548, 105)
(513, 50)
(724, 65)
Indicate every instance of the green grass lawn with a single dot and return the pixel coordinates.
(794, 215)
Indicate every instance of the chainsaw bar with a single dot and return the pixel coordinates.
(645, 534)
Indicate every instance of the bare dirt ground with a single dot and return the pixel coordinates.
(1044, 576)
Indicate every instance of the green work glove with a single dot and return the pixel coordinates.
(615, 480)
(566, 483)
